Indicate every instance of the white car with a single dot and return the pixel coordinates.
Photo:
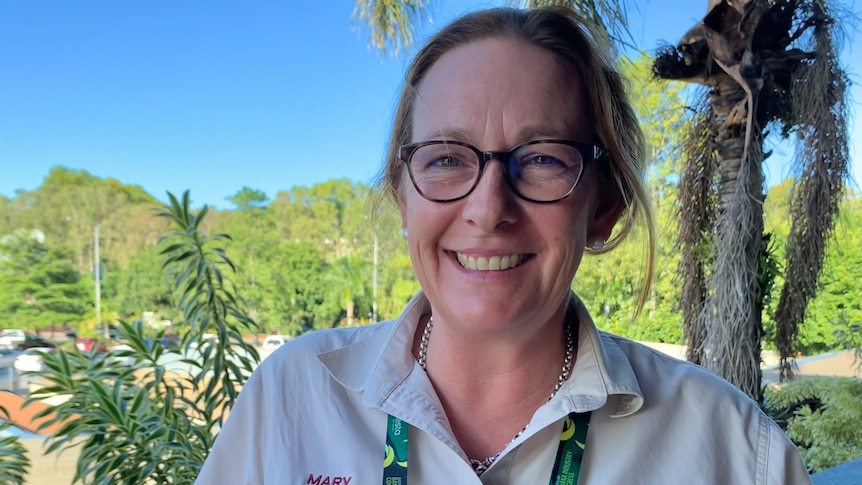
(11, 337)
(272, 342)
(30, 360)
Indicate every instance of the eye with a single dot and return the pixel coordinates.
(538, 160)
(446, 161)
(443, 158)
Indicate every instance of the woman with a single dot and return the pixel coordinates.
(513, 150)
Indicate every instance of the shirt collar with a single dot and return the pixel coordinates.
(602, 372)
(377, 363)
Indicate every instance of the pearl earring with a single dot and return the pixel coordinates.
(597, 244)
(404, 233)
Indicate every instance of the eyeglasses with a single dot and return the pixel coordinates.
(540, 171)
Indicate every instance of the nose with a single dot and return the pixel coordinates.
(492, 203)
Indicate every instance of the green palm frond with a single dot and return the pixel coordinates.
(610, 16)
(391, 23)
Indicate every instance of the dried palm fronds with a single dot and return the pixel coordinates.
(819, 113)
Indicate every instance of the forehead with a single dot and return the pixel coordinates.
(501, 91)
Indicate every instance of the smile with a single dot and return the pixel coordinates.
(494, 263)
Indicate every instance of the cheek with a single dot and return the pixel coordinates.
(572, 242)
(568, 233)
(573, 220)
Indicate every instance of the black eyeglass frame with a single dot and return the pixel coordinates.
(588, 152)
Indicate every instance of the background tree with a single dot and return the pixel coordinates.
(41, 286)
(69, 203)
(8, 219)
(292, 295)
(348, 280)
(836, 307)
(610, 284)
(141, 286)
(763, 62)
(250, 226)
(295, 274)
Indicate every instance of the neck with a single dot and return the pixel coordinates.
(491, 388)
(507, 354)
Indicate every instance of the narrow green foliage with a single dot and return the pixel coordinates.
(135, 420)
(13, 459)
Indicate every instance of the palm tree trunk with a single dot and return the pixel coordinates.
(730, 318)
(351, 309)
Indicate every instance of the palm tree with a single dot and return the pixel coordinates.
(391, 22)
(767, 65)
(347, 281)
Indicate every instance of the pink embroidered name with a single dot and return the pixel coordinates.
(327, 480)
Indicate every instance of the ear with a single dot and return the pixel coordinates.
(609, 206)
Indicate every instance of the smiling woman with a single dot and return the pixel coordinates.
(514, 151)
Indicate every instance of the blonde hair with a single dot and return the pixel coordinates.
(567, 35)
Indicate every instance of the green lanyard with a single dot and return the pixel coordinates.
(567, 465)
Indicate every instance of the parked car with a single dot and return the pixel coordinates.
(7, 357)
(85, 344)
(34, 341)
(11, 337)
(30, 360)
(272, 342)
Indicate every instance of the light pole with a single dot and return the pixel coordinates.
(374, 283)
(97, 275)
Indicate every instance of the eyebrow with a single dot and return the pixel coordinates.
(527, 133)
(450, 134)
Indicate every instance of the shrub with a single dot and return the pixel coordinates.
(13, 458)
(137, 422)
(823, 416)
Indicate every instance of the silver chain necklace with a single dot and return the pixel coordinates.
(479, 466)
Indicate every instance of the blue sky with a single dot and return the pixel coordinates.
(216, 95)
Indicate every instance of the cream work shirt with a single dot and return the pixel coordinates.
(315, 413)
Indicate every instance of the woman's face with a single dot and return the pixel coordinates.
(496, 94)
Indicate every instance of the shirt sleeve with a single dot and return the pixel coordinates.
(238, 455)
(783, 463)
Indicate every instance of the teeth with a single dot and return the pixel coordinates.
(494, 263)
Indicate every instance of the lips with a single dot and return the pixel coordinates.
(494, 263)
